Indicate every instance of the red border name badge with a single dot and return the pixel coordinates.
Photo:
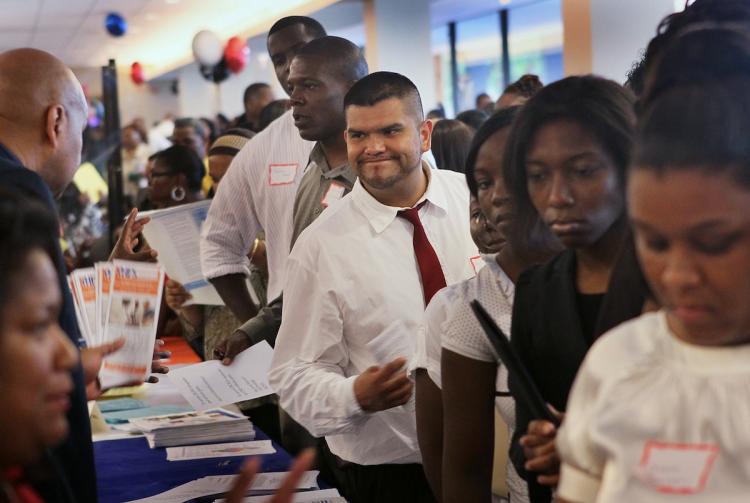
(282, 174)
(476, 263)
(334, 193)
(677, 468)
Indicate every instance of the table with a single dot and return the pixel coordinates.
(127, 469)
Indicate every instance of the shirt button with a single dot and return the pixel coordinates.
(317, 211)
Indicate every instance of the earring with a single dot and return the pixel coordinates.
(177, 194)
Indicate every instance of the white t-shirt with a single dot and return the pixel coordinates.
(451, 324)
(652, 418)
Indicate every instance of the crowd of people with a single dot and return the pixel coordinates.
(603, 227)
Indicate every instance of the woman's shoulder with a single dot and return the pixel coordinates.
(547, 277)
(627, 344)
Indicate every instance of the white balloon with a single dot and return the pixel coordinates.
(207, 48)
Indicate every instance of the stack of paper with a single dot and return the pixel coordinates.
(264, 483)
(120, 299)
(319, 496)
(191, 428)
(251, 448)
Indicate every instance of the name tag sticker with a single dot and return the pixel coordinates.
(476, 263)
(334, 193)
(676, 468)
(282, 174)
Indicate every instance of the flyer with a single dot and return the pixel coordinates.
(134, 301)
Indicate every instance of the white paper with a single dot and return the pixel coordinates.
(85, 291)
(212, 384)
(250, 448)
(175, 234)
(133, 314)
(206, 486)
(104, 272)
(677, 468)
(319, 496)
(393, 342)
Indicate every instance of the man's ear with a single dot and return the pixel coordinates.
(425, 135)
(54, 121)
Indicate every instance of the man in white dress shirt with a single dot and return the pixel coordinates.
(355, 297)
(259, 188)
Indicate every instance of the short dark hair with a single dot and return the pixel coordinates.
(183, 160)
(25, 225)
(252, 89)
(473, 118)
(312, 27)
(273, 111)
(450, 144)
(380, 86)
(601, 106)
(695, 111)
(339, 54)
(527, 86)
(480, 96)
(497, 122)
(196, 124)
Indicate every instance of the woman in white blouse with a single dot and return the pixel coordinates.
(660, 409)
(457, 448)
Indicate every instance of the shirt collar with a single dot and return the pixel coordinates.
(380, 216)
(318, 158)
(6, 154)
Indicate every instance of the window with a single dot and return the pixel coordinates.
(535, 40)
(478, 54)
(441, 56)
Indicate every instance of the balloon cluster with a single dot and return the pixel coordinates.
(216, 61)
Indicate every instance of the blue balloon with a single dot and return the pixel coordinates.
(115, 24)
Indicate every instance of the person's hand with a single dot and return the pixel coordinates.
(539, 448)
(91, 361)
(228, 349)
(158, 356)
(285, 493)
(125, 247)
(382, 388)
(175, 295)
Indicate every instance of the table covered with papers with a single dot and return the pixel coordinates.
(129, 470)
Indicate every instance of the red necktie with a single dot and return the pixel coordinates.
(429, 266)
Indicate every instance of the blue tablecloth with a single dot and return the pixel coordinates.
(127, 469)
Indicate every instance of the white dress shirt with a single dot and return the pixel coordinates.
(256, 194)
(651, 418)
(351, 275)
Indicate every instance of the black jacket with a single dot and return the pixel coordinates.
(75, 455)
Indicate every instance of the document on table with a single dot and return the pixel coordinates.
(211, 384)
(249, 448)
(220, 484)
(175, 234)
(320, 496)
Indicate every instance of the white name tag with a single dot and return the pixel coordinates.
(676, 468)
(334, 193)
(282, 174)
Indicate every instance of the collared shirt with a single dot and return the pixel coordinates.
(320, 187)
(256, 194)
(351, 274)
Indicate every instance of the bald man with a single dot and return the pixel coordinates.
(42, 116)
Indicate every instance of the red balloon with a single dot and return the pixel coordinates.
(136, 73)
(236, 53)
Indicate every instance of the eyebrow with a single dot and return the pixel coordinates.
(575, 157)
(395, 125)
(703, 226)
